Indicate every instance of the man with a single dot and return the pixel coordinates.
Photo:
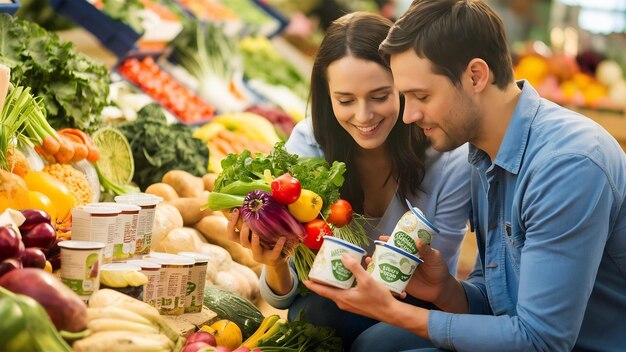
(548, 200)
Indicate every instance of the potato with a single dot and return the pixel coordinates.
(166, 218)
(209, 181)
(162, 190)
(189, 208)
(213, 228)
(250, 276)
(185, 184)
(177, 240)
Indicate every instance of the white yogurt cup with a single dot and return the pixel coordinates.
(98, 224)
(194, 297)
(392, 266)
(126, 234)
(145, 221)
(328, 268)
(412, 225)
(153, 291)
(80, 266)
(176, 270)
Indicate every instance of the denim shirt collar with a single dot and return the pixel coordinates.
(514, 143)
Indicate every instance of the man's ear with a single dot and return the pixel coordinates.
(478, 73)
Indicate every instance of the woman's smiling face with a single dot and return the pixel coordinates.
(364, 99)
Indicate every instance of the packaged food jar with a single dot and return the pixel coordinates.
(145, 221)
(96, 224)
(194, 297)
(327, 267)
(412, 225)
(176, 271)
(80, 266)
(392, 266)
(125, 278)
(124, 242)
(153, 290)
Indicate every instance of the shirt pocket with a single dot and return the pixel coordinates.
(514, 239)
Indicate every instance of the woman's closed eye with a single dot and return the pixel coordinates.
(380, 98)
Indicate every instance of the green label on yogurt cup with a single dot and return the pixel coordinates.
(390, 273)
(424, 236)
(339, 271)
(404, 241)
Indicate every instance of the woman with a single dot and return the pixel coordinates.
(356, 114)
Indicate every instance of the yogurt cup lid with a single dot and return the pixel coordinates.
(144, 264)
(120, 206)
(73, 244)
(198, 257)
(120, 267)
(169, 259)
(345, 243)
(399, 251)
(100, 209)
(139, 199)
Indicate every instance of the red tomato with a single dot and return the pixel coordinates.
(340, 213)
(286, 189)
(315, 232)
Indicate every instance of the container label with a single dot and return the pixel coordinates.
(390, 273)
(404, 241)
(340, 272)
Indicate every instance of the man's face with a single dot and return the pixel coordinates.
(444, 111)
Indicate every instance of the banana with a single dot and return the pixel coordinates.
(255, 127)
(265, 326)
(116, 313)
(208, 131)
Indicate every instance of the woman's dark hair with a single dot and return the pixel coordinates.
(359, 35)
(450, 33)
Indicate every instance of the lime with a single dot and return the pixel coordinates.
(116, 158)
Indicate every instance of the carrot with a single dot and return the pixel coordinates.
(50, 145)
(49, 158)
(66, 151)
(92, 153)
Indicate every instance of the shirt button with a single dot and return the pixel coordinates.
(492, 265)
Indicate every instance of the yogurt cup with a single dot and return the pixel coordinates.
(327, 267)
(80, 266)
(119, 272)
(152, 291)
(412, 225)
(392, 266)
(98, 224)
(125, 237)
(194, 297)
(176, 271)
(145, 220)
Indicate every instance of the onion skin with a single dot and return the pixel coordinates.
(271, 221)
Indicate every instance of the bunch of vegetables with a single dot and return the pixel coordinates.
(73, 88)
(284, 195)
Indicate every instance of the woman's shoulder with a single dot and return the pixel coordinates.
(302, 140)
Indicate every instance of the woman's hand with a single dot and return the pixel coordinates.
(248, 239)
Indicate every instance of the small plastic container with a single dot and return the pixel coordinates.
(97, 224)
(145, 220)
(80, 266)
(124, 242)
(392, 266)
(327, 267)
(412, 225)
(176, 271)
(123, 273)
(153, 290)
(194, 297)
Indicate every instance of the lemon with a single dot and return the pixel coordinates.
(227, 334)
(116, 158)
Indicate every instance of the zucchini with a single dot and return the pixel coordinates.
(237, 309)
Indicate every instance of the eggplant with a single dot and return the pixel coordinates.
(9, 243)
(41, 235)
(271, 221)
(33, 218)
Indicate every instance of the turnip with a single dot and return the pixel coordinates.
(33, 258)
(202, 336)
(9, 243)
(8, 265)
(41, 235)
(32, 218)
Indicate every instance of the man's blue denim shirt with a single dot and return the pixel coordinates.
(550, 220)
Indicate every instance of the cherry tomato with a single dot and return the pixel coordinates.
(315, 232)
(286, 189)
(340, 213)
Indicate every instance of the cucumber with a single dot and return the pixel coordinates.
(237, 309)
